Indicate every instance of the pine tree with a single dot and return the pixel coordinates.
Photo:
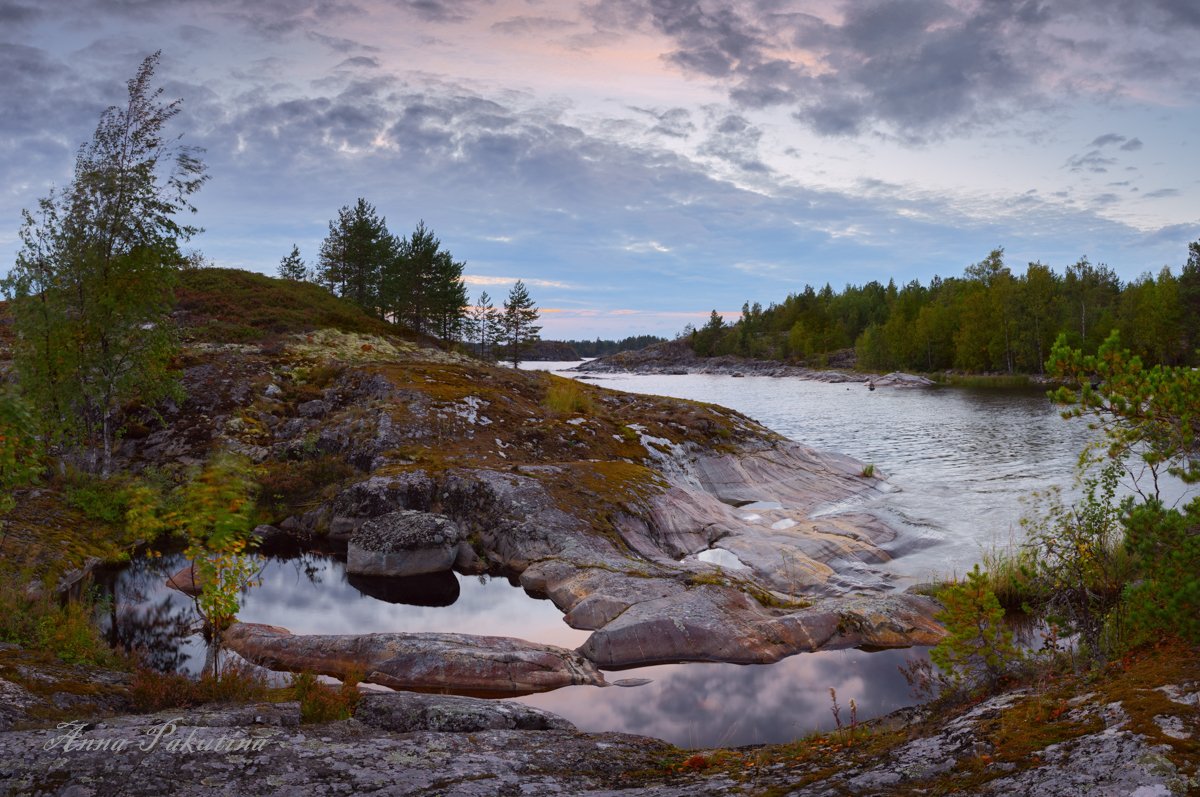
(355, 253)
(518, 323)
(483, 326)
(94, 279)
(292, 267)
(422, 287)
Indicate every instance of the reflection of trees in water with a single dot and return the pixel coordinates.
(142, 615)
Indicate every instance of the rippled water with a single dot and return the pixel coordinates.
(962, 461)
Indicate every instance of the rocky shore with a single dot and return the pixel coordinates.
(675, 358)
(1132, 732)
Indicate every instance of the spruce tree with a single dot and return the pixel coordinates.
(94, 279)
(518, 323)
(292, 267)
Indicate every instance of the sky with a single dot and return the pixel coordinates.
(639, 163)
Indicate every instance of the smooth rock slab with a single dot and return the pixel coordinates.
(403, 543)
(410, 712)
(455, 663)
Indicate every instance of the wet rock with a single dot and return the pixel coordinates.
(403, 543)
(409, 712)
(458, 663)
(186, 580)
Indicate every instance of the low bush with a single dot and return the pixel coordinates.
(321, 703)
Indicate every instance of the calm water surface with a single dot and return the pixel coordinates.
(961, 461)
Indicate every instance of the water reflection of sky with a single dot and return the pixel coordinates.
(693, 705)
(704, 705)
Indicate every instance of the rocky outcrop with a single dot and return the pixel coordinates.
(458, 663)
(675, 358)
(403, 543)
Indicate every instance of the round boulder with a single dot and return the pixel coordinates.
(403, 543)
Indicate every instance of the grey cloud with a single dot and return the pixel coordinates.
(528, 25)
(735, 141)
(441, 10)
(910, 69)
(1132, 145)
(1106, 139)
(359, 62)
(1162, 193)
(14, 15)
(673, 122)
(340, 45)
(1092, 161)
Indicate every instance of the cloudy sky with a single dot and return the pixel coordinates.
(641, 162)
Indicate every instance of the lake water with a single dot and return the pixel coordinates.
(961, 462)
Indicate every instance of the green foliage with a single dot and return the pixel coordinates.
(217, 513)
(1166, 600)
(1149, 413)
(20, 451)
(1078, 563)
(43, 622)
(518, 323)
(93, 281)
(292, 267)
(423, 286)
(978, 651)
(354, 253)
(990, 319)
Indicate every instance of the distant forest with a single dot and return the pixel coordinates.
(601, 348)
(988, 320)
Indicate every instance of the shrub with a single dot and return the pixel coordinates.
(64, 629)
(566, 396)
(152, 690)
(1080, 565)
(321, 703)
(978, 651)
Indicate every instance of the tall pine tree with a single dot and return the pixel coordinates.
(519, 323)
(354, 254)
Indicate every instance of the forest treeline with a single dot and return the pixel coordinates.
(602, 348)
(988, 320)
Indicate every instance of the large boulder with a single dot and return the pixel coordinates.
(455, 663)
(403, 543)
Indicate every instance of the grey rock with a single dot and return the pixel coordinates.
(313, 409)
(403, 543)
(409, 712)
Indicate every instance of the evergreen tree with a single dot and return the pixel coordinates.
(355, 253)
(94, 279)
(483, 326)
(422, 285)
(518, 323)
(292, 267)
